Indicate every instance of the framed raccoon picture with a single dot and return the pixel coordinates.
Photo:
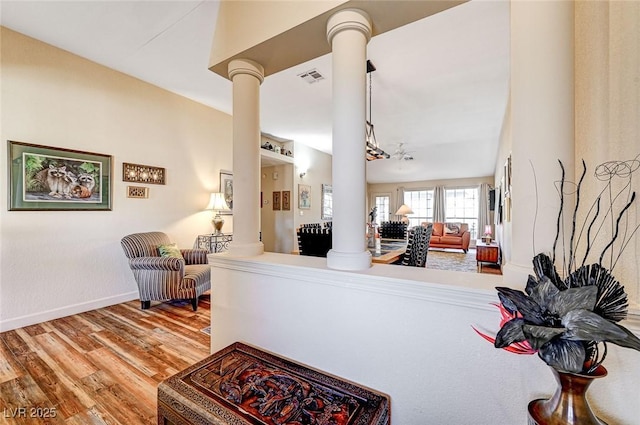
(45, 178)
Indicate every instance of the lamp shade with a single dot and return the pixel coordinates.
(487, 229)
(404, 210)
(217, 202)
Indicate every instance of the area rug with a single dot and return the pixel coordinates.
(441, 259)
(452, 260)
(206, 330)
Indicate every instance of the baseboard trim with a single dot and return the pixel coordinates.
(57, 313)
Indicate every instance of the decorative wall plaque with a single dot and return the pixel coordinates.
(137, 173)
(137, 192)
(276, 201)
(286, 200)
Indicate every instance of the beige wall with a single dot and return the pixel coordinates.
(56, 263)
(607, 124)
(607, 104)
(503, 231)
(318, 173)
(277, 225)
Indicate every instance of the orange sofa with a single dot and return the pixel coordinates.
(450, 235)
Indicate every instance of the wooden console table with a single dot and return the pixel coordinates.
(487, 253)
(243, 385)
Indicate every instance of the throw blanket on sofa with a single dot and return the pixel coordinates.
(451, 228)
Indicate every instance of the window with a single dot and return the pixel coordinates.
(421, 202)
(462, 206)
(382, 202)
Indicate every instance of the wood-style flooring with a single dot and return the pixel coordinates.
(99, 367)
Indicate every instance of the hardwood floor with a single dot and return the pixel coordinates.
(99, 367)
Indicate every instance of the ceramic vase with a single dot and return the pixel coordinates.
(569, 405)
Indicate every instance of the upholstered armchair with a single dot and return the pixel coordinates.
(164, 272)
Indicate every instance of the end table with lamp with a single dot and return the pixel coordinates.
(487, 253)
(216, 241)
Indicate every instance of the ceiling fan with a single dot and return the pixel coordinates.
(401, 154)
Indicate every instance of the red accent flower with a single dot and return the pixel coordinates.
(522, 347)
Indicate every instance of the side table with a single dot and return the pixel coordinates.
(487, 253)
(214, 243)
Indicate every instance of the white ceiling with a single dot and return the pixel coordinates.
(441, 84)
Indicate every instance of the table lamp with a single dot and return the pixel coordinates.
(403, 211)
(217, 204)
(487, 234)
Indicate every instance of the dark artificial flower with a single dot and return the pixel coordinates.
(566, 320)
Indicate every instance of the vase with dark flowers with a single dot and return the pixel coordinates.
(569, 321)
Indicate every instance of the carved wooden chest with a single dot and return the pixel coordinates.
(243, 385)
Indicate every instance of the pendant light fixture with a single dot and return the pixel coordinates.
(373, 150)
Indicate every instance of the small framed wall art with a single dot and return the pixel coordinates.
(276, 201)
(226, 187)
(304, 196)
(286, 200)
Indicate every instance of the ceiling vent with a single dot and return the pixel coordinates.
(311, 76)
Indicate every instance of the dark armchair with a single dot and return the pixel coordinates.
(393, 230)
(417, 246)
(184, 276)
(314, 241)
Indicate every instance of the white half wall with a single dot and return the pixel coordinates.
(403, 331)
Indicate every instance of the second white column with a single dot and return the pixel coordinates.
(348, 32)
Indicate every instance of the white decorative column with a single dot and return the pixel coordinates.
(542, 132)
(348, 32)
(246, 76)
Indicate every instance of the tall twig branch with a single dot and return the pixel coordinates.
(617, 224)
(575, 213)
(586, 254)
(555, 242)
